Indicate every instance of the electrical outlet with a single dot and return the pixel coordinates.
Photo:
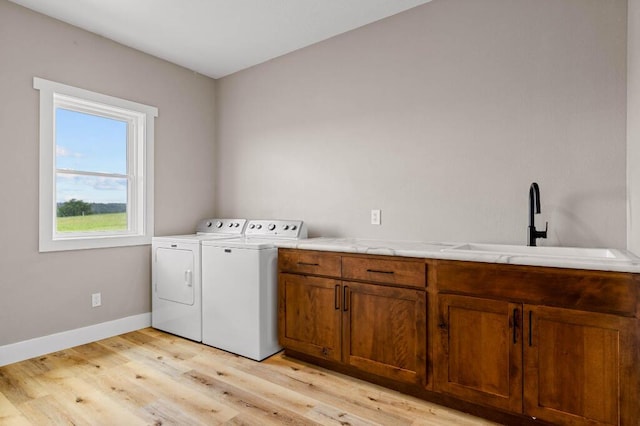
(96, 300)
(375, 216)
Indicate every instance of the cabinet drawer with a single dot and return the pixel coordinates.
(400, 272)
(597, 291)
(309, 262)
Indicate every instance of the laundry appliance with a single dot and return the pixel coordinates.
(240, 286)
(176, 301)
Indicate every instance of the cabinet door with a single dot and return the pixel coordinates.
(309, 315)
(579, 367)
(384, 331)
(479, 351)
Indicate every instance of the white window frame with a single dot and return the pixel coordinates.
(140, 140)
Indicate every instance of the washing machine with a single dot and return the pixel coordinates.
(240, 288)
(176, 285)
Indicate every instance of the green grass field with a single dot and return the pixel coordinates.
(93, 223)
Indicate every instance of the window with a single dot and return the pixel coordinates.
(96, 169)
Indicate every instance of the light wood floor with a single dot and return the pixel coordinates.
(152, 378)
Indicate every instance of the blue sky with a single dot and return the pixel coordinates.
(92, 143)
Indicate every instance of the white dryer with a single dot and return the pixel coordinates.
(240, 288)
(176, 301)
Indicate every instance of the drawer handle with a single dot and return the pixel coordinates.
(336, 297)
(308, 264)
(380, 272)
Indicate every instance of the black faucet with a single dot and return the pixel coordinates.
(534, 203)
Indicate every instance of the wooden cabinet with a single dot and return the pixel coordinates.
(569, 365)
(384, 331)
(578, 367)
(378, 329)
(555, 345)
(564, 366)
(480, 351)
(309, 315)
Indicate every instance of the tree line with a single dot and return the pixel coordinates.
(75, 207)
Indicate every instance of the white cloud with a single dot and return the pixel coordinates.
(61, 151)
(109, 184)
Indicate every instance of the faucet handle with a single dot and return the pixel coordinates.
(543, 234)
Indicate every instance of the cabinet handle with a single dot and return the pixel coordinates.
(336, 297)
(515, 325)
(530, 328)
(380, 272)
(308, 264)
(345, 306)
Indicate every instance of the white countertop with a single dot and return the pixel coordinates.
(437, 250)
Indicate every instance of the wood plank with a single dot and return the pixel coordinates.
(330, 415)
(134, 394)
(244, 400)
(277, 395)
(153, 357)
(135, 397)
(166, 412)
(48, 410)
(98, 355)
(90, 403)
(18, 387)
(363, 399)
(202, 407)
(10, 415)
(150, 377)
(66, 364)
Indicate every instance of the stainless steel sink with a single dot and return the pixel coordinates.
(557, 252)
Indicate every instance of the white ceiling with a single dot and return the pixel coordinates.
(218, 37)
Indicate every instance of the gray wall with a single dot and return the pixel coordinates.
(46, 293)
(441, 116)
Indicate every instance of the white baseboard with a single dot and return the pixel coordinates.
(26, 349)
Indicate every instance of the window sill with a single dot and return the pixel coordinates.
(93, 243)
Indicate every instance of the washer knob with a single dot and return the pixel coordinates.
(209, 224)
(272, 227)
(258, 226)
(237, 224)
(230, 225)
(252, 226)
(294, 227)
(218, 224)
(285, 227)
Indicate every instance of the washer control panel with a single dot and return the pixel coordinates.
(295, 229)
(221, 226)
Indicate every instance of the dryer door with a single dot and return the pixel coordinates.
(174, 275)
